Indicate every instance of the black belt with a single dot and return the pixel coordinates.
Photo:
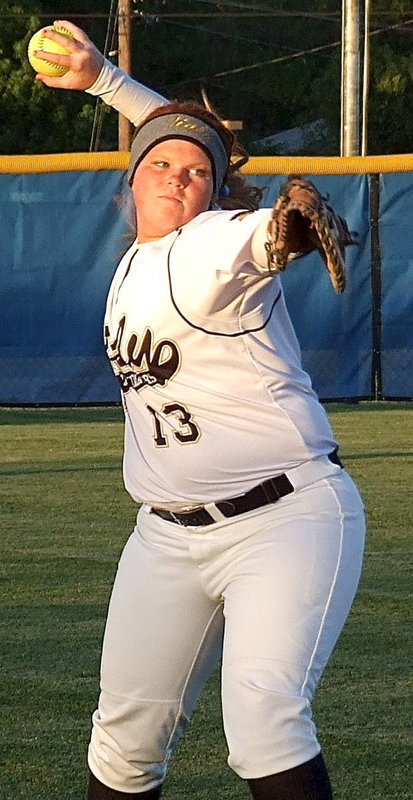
(268, 491)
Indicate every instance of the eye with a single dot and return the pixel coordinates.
(200, 172)
(161, 163)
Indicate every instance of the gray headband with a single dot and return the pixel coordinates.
(180, 126)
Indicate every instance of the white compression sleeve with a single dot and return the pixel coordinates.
(119, 90)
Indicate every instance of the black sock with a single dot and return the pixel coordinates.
(98, 791)
(308, 781)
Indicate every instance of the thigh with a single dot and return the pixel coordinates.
(163, 637)
(159, 620)
(284, 609)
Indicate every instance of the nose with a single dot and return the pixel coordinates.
(178, 177)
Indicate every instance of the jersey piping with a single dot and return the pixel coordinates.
(199, 327)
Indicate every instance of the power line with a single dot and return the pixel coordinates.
(194, 15)
(280, 59)
(232, 15)
(232, 36)
(334, 16)
(170, 15)
(235, 3)
(258, 64)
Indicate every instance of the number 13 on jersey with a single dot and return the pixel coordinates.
(186, 430)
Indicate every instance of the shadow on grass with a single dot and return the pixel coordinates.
(15, 469)
(367, 405)
(379, 454)
(40, 415)
(37, 415)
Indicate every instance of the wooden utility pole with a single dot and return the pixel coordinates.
(350, 79)
(125, 63)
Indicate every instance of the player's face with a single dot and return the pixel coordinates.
(172, 185)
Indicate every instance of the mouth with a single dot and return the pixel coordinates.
(171, 198)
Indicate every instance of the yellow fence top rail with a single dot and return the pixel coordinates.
(257, 165)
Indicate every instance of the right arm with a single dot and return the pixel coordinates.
(91, 72)
(117, 89)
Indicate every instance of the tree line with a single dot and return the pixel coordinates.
(273, 73)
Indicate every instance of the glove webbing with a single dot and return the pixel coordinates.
(332, 256)
(277, 258)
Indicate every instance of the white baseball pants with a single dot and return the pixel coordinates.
(268, 591)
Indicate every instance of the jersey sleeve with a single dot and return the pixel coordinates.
(118, 90)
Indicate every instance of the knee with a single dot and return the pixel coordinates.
(268, 724)
(129, 749)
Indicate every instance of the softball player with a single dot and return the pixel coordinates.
(249, 538)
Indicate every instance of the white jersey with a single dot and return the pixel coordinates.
(215, 397)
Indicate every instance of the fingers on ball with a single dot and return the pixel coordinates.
(50, 56)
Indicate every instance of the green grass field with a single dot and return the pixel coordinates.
(64, 517)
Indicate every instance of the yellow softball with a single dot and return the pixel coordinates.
(40, 42)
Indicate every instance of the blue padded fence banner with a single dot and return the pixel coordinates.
(334, 331)
(396, 244)
(61, 236)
